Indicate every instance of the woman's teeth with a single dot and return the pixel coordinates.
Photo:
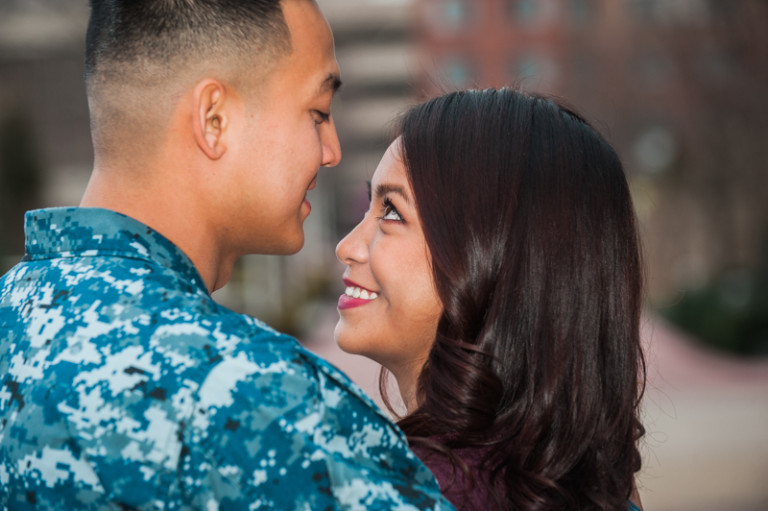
(363, 294)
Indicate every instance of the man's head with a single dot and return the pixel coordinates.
(214, 111)
(142, 53)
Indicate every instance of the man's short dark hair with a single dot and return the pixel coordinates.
(141, 54)
(160, 32)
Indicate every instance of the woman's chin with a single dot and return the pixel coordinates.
(340, 335)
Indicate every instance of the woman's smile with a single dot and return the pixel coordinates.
(387, 256)
(355, 296)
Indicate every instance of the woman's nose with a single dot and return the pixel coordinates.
(353, 248)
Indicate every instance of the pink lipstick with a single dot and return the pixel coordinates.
(355, 296)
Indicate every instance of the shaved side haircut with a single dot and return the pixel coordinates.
(141, 53)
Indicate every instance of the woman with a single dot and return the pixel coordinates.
(497, 276)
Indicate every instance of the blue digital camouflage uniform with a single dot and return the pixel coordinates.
(125, 386)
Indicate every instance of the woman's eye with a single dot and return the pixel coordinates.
(390, 212)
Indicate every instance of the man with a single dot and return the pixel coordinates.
(124, 386)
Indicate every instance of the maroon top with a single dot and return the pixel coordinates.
(457, 486)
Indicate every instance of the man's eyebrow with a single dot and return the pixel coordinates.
(331, 83)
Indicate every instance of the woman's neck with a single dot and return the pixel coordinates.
(407, 378)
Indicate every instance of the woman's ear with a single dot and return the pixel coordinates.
(212, 118)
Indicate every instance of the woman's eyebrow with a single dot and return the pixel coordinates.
(386, 189)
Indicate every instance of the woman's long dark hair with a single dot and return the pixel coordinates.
(537, 359)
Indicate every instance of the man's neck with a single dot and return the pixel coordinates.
(168, 209)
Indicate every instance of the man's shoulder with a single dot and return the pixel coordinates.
(103, 311)
(299, 424)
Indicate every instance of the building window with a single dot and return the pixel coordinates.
(644, 11)
(527, 66)
(533, 70)
(455, 13)
(690, 12)
(524, 12)
(456, 72)
(582, 12)
(448, 15)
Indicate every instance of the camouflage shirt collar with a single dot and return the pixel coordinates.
(78, 232)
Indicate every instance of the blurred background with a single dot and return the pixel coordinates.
(677, 86)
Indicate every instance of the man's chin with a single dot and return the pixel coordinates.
(285, 240)
(289, 246)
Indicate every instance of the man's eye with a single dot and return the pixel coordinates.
(321, 117)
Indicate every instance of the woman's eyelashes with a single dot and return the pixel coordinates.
(389, 212)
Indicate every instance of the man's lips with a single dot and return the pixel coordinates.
(312, 185)
(355, 296)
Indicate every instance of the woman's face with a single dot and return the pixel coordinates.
(390, 310)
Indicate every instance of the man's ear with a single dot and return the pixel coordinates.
(212, 118)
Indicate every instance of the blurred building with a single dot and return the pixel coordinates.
(45, 150)
(676, 86)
